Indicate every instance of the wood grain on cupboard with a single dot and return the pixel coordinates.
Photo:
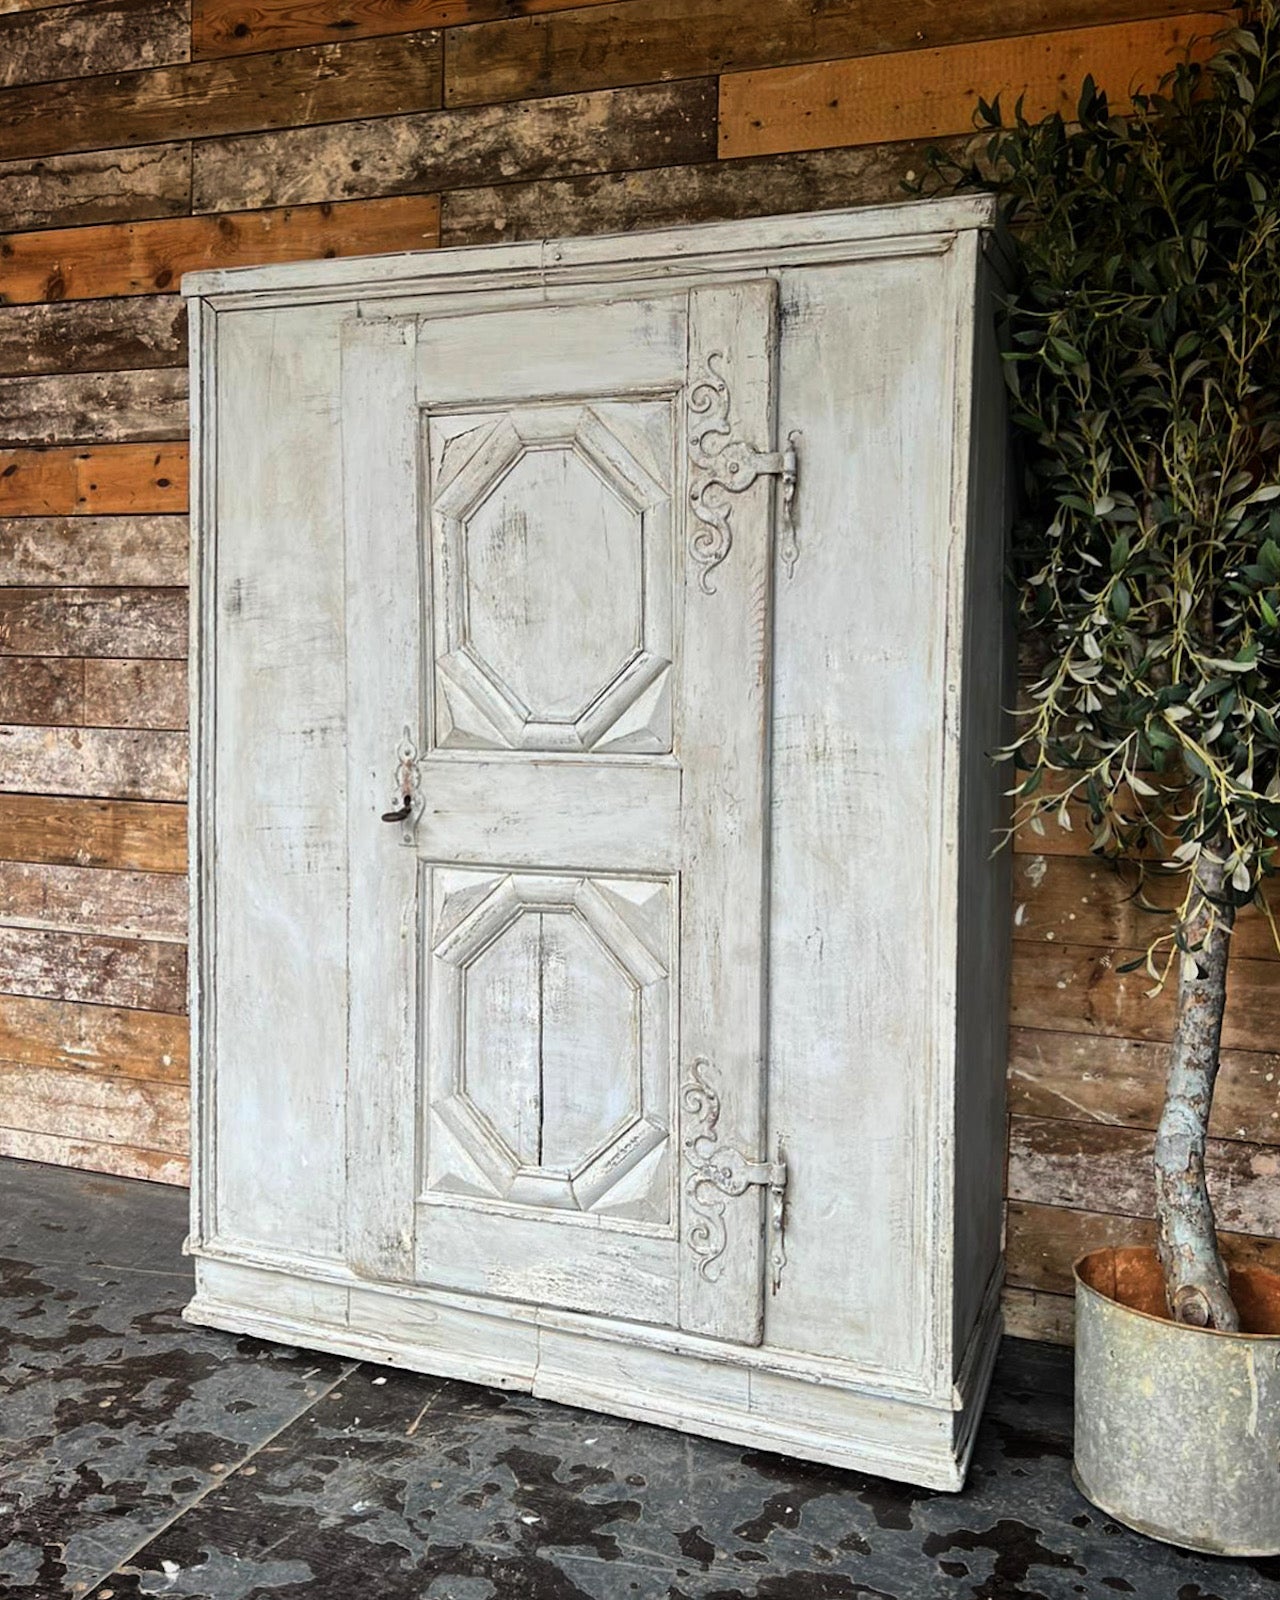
(132, 835)
(150, 257)
(927, 93)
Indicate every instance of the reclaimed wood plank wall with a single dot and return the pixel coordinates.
(140, 139)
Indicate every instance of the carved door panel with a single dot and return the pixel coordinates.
(560, 565)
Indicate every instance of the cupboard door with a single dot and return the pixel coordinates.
(559, 592)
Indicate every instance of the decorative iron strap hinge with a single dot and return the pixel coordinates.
(717, 1172)
(723, 465)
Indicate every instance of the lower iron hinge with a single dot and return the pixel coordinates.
(717, 1170)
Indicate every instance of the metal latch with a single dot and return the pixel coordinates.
(408, 805)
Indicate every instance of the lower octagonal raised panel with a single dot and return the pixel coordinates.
(550, 1075)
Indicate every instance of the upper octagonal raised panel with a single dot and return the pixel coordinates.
(551, 574)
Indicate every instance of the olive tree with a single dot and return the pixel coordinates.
(1142, 352)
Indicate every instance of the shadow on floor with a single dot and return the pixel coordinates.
(140, 1456)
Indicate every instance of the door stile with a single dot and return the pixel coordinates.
(380, 445)
(723, 742)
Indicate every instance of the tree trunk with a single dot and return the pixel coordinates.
(1186, 1235)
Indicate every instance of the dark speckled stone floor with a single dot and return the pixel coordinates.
(139, 1456)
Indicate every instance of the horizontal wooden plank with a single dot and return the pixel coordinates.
(42, 689)
(1078, 989)
(106, 763)
(288, 88)
(667, 196)
(92, 36)
(1121, 1082)
(1091, 901)
(69, 1036)
(97, 480)
(926, 93)
(89, 407)
(1044, 1241)
(85, 551)
(135, 694)
(93, 622)
(70, 692)
(84, 1107)
(642, 41)
(93, 336)
(146, 973)
(624, 128)
(122, 1161)
(127, 905)
(1090, 1167)
(237, 27)
(133, 835)
(137, 258)
(95, 186)
(1030, 1315)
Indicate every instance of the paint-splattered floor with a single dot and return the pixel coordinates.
(139, 1456)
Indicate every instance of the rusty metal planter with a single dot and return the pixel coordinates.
(1177, 1429)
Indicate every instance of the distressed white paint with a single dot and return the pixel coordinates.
(696, 849)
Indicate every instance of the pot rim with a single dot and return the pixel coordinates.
(1164, 1322)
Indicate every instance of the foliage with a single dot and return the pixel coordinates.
(1142, 351)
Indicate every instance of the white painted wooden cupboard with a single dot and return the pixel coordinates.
(600, 962)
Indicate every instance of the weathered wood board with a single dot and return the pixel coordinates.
(80, 551)
(85, 407)
(67, 1035)
(322, 83)
(638, 41)
(119, 763)
(605, 132)
(131, 835)
(95, 622)
(89, 480)
(127, 905)
(151, 257)
(924, 94)
(91, 37)
(95, 186)
(94, 337)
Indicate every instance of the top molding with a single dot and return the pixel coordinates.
(919, 227)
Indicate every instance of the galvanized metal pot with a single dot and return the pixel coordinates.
(1178, 1429)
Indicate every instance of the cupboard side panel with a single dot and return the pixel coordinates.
(857, 738)
(277, 854)
(982, 957)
